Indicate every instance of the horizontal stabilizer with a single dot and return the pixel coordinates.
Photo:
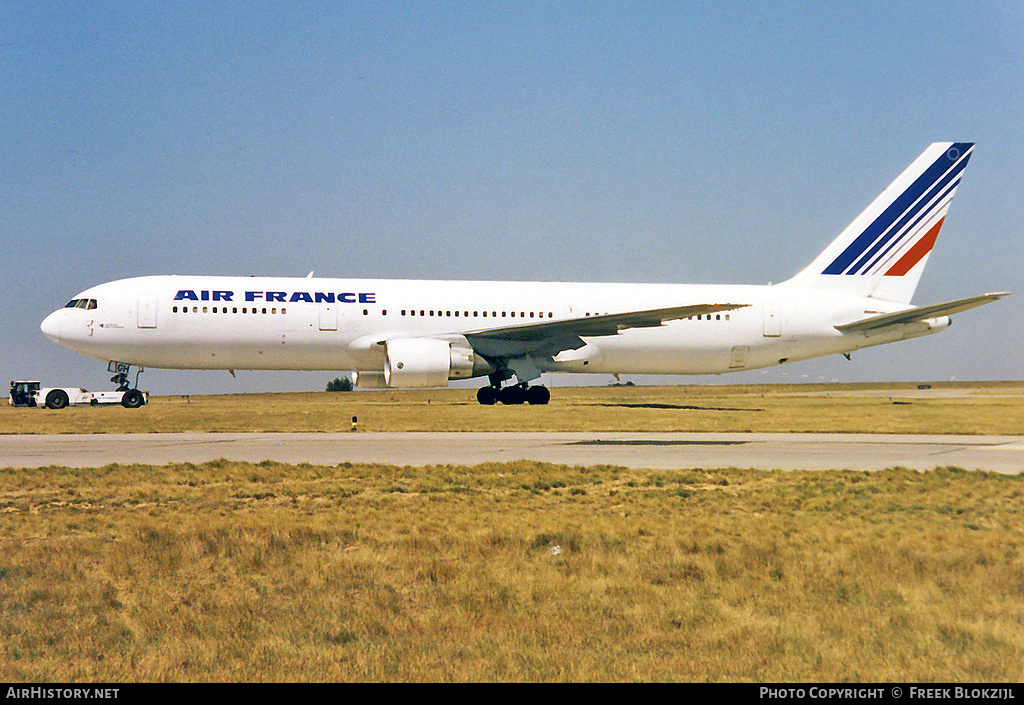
(922, 313)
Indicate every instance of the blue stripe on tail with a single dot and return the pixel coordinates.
(903, 209)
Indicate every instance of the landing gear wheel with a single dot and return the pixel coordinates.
(512, 395)
(133, 399)
(57, 399)
(538, 395)
(488, 396)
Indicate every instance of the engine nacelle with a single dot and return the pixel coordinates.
(426, 362)
(369, 380)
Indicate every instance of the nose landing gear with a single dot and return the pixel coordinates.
(120, 377)
(132, 398)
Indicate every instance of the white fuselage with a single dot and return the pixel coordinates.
(856, 293)
(210, 322)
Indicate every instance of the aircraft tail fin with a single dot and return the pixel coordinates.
(883, 252)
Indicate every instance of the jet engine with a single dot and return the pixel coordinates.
(429, 362)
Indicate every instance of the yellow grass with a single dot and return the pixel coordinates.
(510, 572)
(970, 408)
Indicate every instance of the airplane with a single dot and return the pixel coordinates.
(407, 334)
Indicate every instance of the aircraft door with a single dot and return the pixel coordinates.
(147, 311)
(772, 321)
(328, 315)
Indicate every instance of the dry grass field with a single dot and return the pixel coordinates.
(509, 572)
(969, 408)
(524, 571)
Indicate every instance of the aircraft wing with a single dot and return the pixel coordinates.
(552, 337)
(921, 313)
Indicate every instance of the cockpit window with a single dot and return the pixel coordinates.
(72, 303)
(92, 304)
(82, 303)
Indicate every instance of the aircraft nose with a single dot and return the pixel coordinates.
(51, 326)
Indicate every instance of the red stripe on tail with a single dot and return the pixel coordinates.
(916, 253)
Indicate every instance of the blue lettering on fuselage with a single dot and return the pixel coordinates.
(348, 297)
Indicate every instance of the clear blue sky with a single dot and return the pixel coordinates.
(685, 142)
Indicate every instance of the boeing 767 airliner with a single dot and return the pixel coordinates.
(397, 333)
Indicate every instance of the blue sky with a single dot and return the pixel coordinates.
(684, 142)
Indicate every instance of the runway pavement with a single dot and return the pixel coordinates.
(786, 451)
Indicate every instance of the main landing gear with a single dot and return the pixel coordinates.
(512, 394)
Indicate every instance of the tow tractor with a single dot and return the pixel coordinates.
(31, 393)
(23, 393)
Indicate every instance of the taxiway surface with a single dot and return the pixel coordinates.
(787, 451)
